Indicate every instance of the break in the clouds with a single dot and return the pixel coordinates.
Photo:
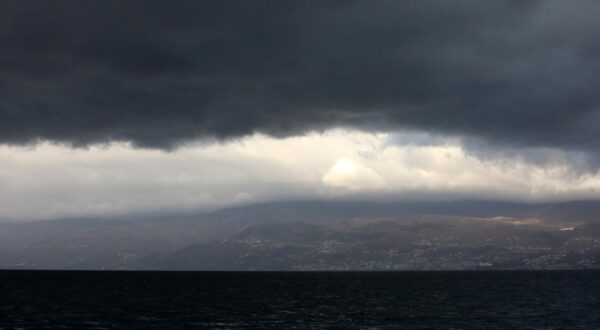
(159, 73)
(53, 181)
(136, 107)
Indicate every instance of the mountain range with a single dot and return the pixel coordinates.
(308, 235)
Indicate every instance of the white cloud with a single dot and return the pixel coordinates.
(347, 174)
(49, 181)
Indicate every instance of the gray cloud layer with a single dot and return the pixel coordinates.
(522, 73)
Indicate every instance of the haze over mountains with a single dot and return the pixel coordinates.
(319, 236)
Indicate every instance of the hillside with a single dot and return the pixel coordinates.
(318, 235)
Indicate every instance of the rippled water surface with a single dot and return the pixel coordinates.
(163, 300)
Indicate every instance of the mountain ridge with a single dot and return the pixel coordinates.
(156, 243)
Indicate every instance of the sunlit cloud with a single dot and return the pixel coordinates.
(346, 174)
(50, 181)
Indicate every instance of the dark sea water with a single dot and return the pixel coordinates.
(377, 300)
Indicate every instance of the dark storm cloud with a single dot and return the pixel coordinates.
(161, 72)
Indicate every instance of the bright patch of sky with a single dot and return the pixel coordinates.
(52, 181)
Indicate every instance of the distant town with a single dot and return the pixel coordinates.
(306, 236)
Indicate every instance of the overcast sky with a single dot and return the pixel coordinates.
(135, 107)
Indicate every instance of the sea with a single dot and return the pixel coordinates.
(299, 300)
